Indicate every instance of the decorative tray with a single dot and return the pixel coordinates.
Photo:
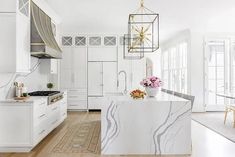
(21, 98)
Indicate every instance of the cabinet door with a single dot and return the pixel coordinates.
(23, 42)
(66, 61)
(8, 6)
(7, 42)
(80, 67)
(66, 79)
(66, 68)
(110, 77)
(95, 79)
(102, 54)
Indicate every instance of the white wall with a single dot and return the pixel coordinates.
(218, 26)
(196, 70)
(195, 40)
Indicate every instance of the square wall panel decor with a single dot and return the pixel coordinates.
(95, 41)
(24, 7)
(80, 41)
(67, 41)
(110, 41)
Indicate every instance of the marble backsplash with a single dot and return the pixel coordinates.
(36, 80)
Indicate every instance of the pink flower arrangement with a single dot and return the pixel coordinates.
(151, 82)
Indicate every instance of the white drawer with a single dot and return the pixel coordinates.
(77, 92)
(39, 117)
(95, 102)
(39, 113)
(77, 105)
(40, 103)
(63, 109)
(63, 116)
(77, 98)
(64, 101)
(54, 119)
(54, 107)
(40, 131)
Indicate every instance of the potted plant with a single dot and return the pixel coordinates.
(152, 85)
(50, 86)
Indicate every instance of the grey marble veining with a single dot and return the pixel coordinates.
(150, 126)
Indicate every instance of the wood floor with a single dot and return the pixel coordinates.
(205, 142)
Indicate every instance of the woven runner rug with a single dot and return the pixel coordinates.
(81, 138)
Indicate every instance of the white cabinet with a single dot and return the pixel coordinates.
(15, 37)
(110, 77)
(8, 6)
(79, 68)
(74, 68)
(95, 79)
(102, 54)
(102, 78)
(77, 99)
(25, 124)
(95, 103)
(74, 76)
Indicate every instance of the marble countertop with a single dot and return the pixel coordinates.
(161, 96)
(31, 99)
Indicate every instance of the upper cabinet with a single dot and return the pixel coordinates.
(8, 6)
(102, 54)
(15, 36)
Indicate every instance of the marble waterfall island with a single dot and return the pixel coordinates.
(160, 125)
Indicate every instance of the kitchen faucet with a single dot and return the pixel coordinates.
(125, 74)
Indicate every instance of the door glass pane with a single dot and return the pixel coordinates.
(216, 72)
(212, 59)
(220, 59)
(220, 86)
(211, 98)
(212, 85)
(211, 72)
(233, 68)
(220, 73)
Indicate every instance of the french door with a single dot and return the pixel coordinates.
(217, 73)
(232, 69)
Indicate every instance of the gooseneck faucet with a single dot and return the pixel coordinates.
(125, 74)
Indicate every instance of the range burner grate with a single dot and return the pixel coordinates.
(43, 93)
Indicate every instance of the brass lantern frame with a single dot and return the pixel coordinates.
(126, 54)
(142, 30)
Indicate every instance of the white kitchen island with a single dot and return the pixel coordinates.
(160, 125)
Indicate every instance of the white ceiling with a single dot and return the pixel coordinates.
(110, 16)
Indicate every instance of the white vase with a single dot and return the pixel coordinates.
(151, 92)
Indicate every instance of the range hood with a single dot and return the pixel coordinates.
(43, 43)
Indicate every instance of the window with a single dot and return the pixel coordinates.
(80, 41)
(95, 41)
(174, 68)
(67, 41)
(24, 7)
(110, 41)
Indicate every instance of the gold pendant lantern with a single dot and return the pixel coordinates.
(143, 30)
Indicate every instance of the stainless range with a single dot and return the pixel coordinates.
(53, 96)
